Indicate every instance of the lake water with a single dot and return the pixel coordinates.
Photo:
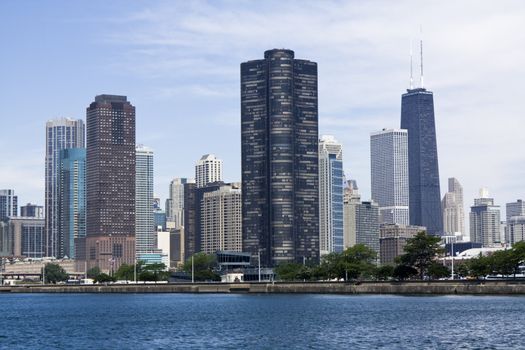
(167, 321)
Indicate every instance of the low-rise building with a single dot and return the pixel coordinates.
(392, 240)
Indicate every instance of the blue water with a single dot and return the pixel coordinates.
(167, 321)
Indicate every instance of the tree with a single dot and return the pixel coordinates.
(93, 272)
(154, 272)
(127, 272)
(54, 273)
(503, 262)
(204, 265)
(421, 251)
(288, 271)
(355, 262)
(437, 271)
(104, 278)
(384, 272)
(403, 272)
(478, 267)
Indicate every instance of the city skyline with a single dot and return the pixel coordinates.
(371, 101)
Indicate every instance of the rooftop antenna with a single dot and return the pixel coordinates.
(411, 75)
(421, 52)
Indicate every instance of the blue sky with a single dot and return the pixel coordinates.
(178, 63)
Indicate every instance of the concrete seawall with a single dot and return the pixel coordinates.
(431, 288)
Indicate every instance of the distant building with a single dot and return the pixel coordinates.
(330, 195)
(393, 238)
(453, 212)
(175, 202)
(279, 151)
(32, 211)
(351, 199)
(8, 204)
(208, 170)
(221, 219)
(61, 133)
(27, 235)
(72, 202)
(144, 217)
(516, 208)
(159, 219)
(367, 225)
(485, 221)
(110, 182)
(513, 209)
(6, 248)
(389, 164)
(516, 229)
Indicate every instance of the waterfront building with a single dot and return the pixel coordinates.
(367, 225)
(72, 202)
(8, 204)
(351, 200)
(393, 239)
(32, 211)
(27, 236)
(485, 221)
(5, 242)
(110, 182)
(279, 153)
(453, 212)
(175, 202)
(207, 170)
(330, 195)
(176, 247)
(61, 133)
(144, 217)
(516, 208)
(516, 229)
(389, 165)
(221, 219)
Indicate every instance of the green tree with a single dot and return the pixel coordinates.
(288, 271)
(104, 278)
(383, 272)
(421, 251)
(503, 262)
(479, 267)
(355, 262)
(54, 273)
(462, 270)
(204, 265)
(403, 272)
(154, 272)
(437, 271)
(93, 272)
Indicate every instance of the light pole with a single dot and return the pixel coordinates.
(259, 262)
(192, 271)
(452, 239)
(135, 270)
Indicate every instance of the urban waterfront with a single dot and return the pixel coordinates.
(160, 321)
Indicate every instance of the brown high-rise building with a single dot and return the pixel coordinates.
(110, 182)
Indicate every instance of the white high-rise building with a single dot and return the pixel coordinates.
(175, 202)
(389, 165)
(208, 169)
(453, 212)
(515, 222)
(145, 233)
(485, 221)
(331, 179)
(221, 219)
(351, 200)
(61, 133)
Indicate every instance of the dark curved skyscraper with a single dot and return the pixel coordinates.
(280, 158)
(417, 116)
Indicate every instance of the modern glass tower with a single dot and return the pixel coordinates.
(110, 182)
(144, 221)
(8, 204)
(331, 179)
(279, 146)
(60, 134)
(72, 200)
(417, 116)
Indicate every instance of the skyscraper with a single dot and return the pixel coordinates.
(207, 170)
(8, 204)
(175, 202)
(367, 225)
(516, 208)
(351, 199)
(485, 221)
(32, 211)
(330, 195)
(110, 182)
(144, 221)
(389, 165)
(72, 201)
(279, 146)
(453, 212)
(60, 134)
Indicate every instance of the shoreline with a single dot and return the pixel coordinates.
(395, 288)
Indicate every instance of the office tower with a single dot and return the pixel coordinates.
(221, 219)
(393, 239)
(8, 204)
(32, 211)
(60, 134)
(452, 204)
(351, 200)
(279, 146)
(515, 217)
(207, 170)
(389, 165)
(175, 202)
(27, 235)
(144, 217)
(516, 208)
(5, 242)
(417, 117)
(330, 195)
(485, 221)
(367, 225)
(72, 202)
(516, 229)
(110, 182)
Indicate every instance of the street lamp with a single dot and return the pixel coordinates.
(452, 239)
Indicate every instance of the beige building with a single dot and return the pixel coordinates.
(392, 240)
(351, 199)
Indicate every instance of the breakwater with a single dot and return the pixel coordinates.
(408, 288)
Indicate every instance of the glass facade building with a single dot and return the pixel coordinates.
(417, 117)
(279, 146)
(145, 236)
(8, 204)
(367, 225)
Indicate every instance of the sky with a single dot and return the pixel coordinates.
(179, 64)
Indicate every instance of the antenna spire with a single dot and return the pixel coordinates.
(411, 75)
(421, 53)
